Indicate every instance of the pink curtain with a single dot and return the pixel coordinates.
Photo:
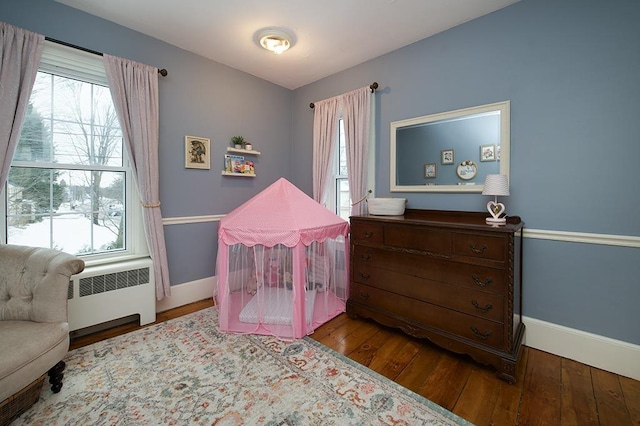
(20, 53)
(356, 114)
(134, 89)
(325, 134)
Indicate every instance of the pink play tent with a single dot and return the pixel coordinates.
(282, 264)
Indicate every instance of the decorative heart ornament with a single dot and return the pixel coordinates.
(496, 209)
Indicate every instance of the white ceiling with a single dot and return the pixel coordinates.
(331, 35)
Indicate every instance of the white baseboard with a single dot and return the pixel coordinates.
(183, 294)
(597, 351)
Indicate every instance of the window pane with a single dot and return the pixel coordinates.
(343, 199)
(70, 122)
(342, 151)
(71, 210)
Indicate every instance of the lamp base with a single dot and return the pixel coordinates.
(496, 220)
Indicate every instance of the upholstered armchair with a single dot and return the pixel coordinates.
(34, 332)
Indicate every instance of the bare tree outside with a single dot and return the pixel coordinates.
(95, 137)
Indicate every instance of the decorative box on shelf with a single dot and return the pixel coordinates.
(235, 165)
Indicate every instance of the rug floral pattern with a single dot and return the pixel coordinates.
(185, 371)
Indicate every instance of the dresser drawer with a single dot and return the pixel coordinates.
(470, 301)
(367, 233)
(418, 238)
(480, 246)
(432, 268)
(480, 330)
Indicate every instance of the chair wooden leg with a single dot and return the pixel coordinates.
(56, 375)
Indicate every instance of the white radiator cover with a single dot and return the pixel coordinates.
(109, 292)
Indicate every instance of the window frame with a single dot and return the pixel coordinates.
(76, 64)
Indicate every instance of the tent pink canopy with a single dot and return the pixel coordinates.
(281, 214)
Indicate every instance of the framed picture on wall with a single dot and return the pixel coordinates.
(487, 153)
(197, 153)
(447, 156)
(430, 170)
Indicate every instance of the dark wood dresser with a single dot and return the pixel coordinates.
(442, 275)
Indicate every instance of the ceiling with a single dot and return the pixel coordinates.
(331, 35)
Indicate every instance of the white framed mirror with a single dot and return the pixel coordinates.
(451, 151)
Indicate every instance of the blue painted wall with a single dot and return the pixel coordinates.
(571, 70)
(199, 97)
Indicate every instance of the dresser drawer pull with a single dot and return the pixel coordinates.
(481, 336)
(364, 295)
(367, 234)
(479, 250)
(486, 308)
(365, 276)
(477, 280)
(365, 257)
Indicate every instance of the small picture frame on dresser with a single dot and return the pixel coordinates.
(430, 170)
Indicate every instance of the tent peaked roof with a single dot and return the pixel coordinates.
(280, 214)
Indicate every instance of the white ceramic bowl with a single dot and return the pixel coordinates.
(386, 206)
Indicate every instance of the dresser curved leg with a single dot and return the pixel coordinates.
(508, 370)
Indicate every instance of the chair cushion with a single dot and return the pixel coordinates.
(24, 359)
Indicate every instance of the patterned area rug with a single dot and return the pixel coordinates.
(185, 371)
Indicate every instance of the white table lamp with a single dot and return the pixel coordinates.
(496, 185)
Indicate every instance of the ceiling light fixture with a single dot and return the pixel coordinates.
(276, 40)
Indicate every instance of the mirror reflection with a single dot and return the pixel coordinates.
(451, 151)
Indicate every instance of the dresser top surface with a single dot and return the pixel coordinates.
(447, 219)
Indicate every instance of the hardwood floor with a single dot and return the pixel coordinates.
(550, 390)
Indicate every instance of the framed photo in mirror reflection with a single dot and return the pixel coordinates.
(430, 170)
(487, 152)
(447, 156)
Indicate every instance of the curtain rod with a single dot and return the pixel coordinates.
(163, 72)
(373, 86)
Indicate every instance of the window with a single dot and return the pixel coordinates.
(70, 184)
(341, 197)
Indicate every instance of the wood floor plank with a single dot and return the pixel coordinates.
(612, 408)
(578, 401)
(507, 406)
(541, 401)
(329, 327)
(365, 353)
(444, 385)
(470, 406)
(420, 367)
(349, 336)
(391, 359)
(631, 392)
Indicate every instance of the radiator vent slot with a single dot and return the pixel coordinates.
(113, 281)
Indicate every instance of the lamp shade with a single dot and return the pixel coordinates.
(496, 185)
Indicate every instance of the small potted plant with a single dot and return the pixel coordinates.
(238, 142)
(248, 146)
